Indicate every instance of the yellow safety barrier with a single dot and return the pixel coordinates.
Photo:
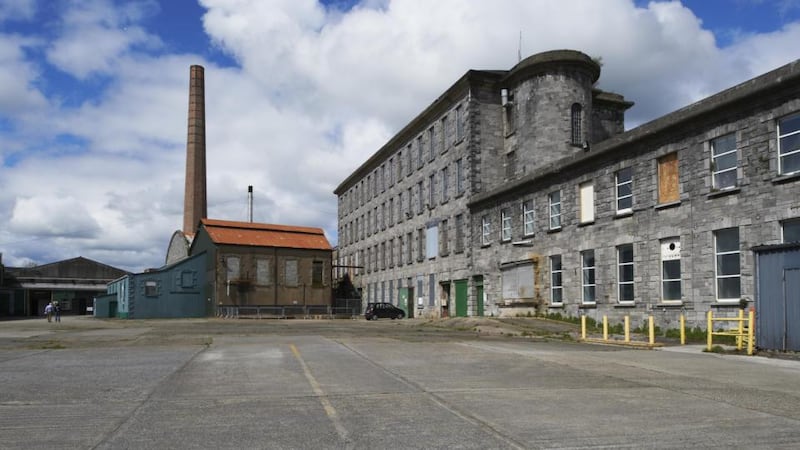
(740, 332)
(627, 332)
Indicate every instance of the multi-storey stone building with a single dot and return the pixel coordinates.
(520, 190)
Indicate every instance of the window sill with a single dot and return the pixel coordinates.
(626, 305)
(726, 304)
(486, 245)
(667, 205)
(623, 214)
(585, 224)
(724, 192)
(458, 141)
(670, 304)
(554, 230)
(588, 305)
(556, 306)
(786, 178)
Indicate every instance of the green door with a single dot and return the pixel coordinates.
(461, 298)
(479, 298)
(402, 300)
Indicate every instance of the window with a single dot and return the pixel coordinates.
(726, 249)
(375, 221)
(459, 123)
(432, 190)
(232, 267)
(724, 162)
(188, 279)
(668, 181)
(419, 198)
(382, 257)
(263, 272)
(400, 251)
(587, 202)
(443, 243)
(624, 190)
(505, 225)
(410, 248)
(317, 273)
(671, 270)
(432, 241)
(421, 244)
(445, 183)
(556, 281)
(410, 165)
(511, 164)
(368, 225)
(410, 201)
(390, 218)
(517, 282)
(789, 144)
(431, 289)
(390, 172)
(460, 176)
(383, 178)
(391, 252)
(528, 218)
(576, 118)
(459, 233)
(791, 230)
(510, 109)
(443, 137)
(399, 165)
(151, 288)
(486, 230)
(625, 273)
(588, 276)
(431, 146)
(383, 216)
(419, 152)
(290, 274)
(555, 210)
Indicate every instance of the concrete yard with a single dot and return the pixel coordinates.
(233, 384)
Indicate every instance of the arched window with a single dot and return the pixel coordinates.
(577, 135)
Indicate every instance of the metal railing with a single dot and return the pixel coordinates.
(286, 312)
(743, 330)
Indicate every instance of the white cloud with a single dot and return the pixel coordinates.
(316, 92)
(17, 9)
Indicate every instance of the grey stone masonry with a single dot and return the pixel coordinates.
(531, 167)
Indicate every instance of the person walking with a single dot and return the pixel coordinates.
(57, 311)
(48, 311)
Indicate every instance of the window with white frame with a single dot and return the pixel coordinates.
(486, 230)
(555, 210)
(624, 190)
(505, 224)
(556, 281)
(724, 162)
(790, 230)
(726, 250)
(587, 202)
(625, 273)
(671, 285)
(528, 218)
(588, 281)
(789, 144)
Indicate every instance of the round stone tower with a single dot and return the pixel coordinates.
(547, 102)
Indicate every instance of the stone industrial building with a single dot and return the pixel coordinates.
(520, 191)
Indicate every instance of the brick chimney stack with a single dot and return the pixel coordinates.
(194, 204)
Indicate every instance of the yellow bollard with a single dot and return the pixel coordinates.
(605, 328)
(751, 335)
(652, 330)
(740, 336)
(683, 330)
(709, 330)
(583, 327)
(627, 328)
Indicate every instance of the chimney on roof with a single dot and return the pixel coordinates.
(194, 201)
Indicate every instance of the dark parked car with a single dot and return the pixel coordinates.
(375, 310)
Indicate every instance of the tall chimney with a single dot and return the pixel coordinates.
(194, 202)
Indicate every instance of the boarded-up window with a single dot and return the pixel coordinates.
(432, 241)
(517, 282)
(668, 179)
(262, 272)
(290, 276)
(232, 266)
(587, 202)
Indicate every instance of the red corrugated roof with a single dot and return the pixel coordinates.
(265, 235)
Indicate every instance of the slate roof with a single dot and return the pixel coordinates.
(265, 235)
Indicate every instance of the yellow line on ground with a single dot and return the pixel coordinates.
(323, 399)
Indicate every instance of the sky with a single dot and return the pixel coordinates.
(94, 97)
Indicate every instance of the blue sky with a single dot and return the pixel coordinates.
(93, 96)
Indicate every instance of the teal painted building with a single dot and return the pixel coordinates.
(177, 290)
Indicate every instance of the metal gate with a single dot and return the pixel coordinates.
(778, 297)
